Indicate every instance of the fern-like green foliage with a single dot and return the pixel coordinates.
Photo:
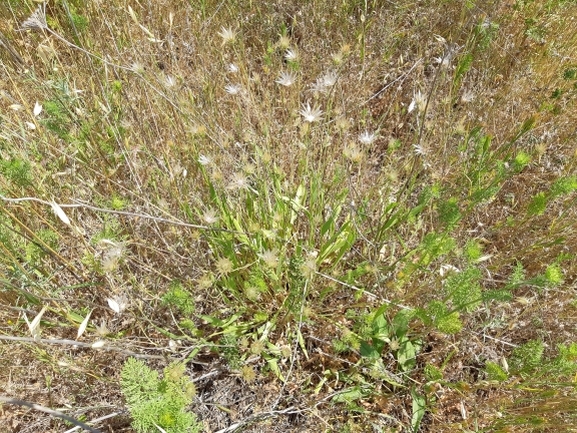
(521, 160)
(565, 364)
(449, 213)
(485, 33)
(57, 118)
(553, 275)
(538, 204)
(527, 357)
(464, 289)
(563, 186)
(180, 298)
(473, 250)
(449, 323)
(432, 373)
(17, 171)
(517, 276)
(158, 402)
(435, 245)
(35, 251)
(438, 315)
(230, 351)
(495, 372)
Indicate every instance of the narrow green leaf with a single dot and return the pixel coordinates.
(419, 406)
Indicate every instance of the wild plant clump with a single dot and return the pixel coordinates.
(337, 214)
(155, 402)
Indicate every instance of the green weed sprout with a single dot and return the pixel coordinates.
(155, 402)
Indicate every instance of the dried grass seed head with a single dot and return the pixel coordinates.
(311, 114)
(270, 258)
(367, 137)
(37, 20)
(224, 266)
(232, 89)
(329, 79)
(419, 101)
(227, 34)
(291, 55)
(169, 81)
(353, 153)
(204, 160)
(210, 217)
(284, 42)
(286, 78)
(325, 82)
(239, 181)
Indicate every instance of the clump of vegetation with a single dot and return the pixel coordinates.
(345, 214)
(155, 402)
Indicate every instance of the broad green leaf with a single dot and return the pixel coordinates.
(401, 322)
(369, 351)
(380, 327)
(349, 395)
(406, 356)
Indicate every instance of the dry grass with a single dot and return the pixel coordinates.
(198, 192)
